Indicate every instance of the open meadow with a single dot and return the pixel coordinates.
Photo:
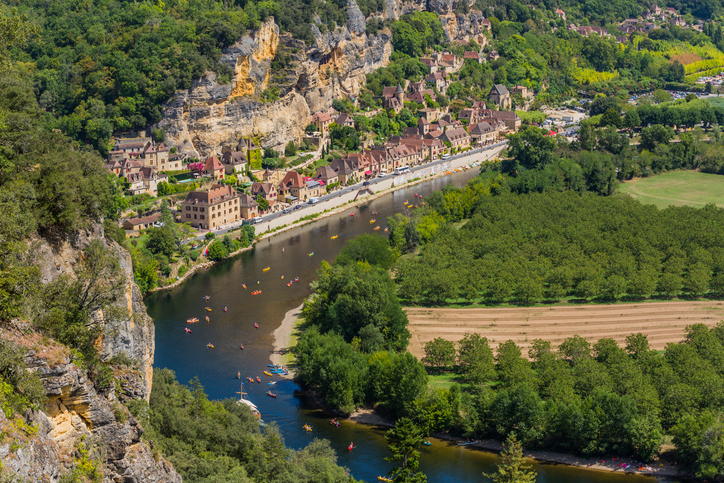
(663, 322)
(677, 188)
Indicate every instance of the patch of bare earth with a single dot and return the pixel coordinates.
(663, 322)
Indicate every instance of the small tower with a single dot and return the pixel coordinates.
(399, 94)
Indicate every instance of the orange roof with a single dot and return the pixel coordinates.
(212, 163)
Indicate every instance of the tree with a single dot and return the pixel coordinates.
(217, 251)
(16, 29)
(403, 442)
(230, 180)
(476, 358)
(530, 148)
(655, 135)
(160, 241)
(611, 118)
(631, 120)
(373, 249)
(311, 128)
(290, 150)
(439, 353)
(512, 368)
(262, 202)
(512, 467)
(661, 95)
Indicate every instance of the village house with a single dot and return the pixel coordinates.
(213, 168)
(267, 191)
(234, 162)
(125, 146)
(144, 181)
(292, 188)
(314, 188)
(142, 223)
(210, 209)
(484, 133)
(458, 138)
(393, 98)
(437, 80)
(344, 119)
(500, 96)
(345, 171)
(326, 175)
(509, 119)
(248, 207)
(322, 120)
(561, 14)
(522, 91)
(493, 55)
(428, 113)
(474, 56)
(470, 115)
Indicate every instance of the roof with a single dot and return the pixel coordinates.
(343, 119)
(325, 172)
(212, 163)
(264, 188)
(322, 116)
(216, 194)
(504, 115)
(399, 89)
(234, 158)
(500, 89)
(455, 134)
(481, 128)
(144, 220)
(246, 201)
(471, 55)
(389, 91)
(292, 179)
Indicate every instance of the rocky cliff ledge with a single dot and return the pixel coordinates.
(132, 336)
(78, 424)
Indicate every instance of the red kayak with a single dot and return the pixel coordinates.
(258, 379)
(241, 346)
(351, 214)
(271, 394)
(350, 447)
(256, 326)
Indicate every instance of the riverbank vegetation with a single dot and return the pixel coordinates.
(221, 441)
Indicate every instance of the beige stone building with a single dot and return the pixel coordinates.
(209, 209)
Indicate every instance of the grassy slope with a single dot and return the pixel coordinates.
(677, 188)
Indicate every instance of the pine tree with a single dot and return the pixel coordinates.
(403, 441)
(511, 468)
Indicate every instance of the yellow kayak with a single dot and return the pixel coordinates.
(208, 308)
(335, 237)
(372, 221)
(210, 346)
(268, 374)
(266, 269)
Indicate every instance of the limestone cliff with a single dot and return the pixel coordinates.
(77, 424)
(209, 115)
(132, 335)
(200, 120)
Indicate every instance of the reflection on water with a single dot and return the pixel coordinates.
(189, 356)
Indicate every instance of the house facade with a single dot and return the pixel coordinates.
(500, 96)
(210, 209)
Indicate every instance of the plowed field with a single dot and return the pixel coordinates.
(663, 322)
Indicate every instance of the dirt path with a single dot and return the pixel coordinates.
(283, 339)
(663, 322)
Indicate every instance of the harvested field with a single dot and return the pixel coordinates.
(663, 322)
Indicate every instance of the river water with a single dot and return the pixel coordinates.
(189, 356)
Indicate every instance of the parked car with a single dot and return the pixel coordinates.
(287, 210)
(298, 207)
(313, 200)
(256, 220)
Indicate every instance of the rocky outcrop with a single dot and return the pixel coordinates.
(200, 120)
(77, 423)
(131, 335)
(209, 115)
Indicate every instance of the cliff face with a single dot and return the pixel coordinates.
(76, 419)
(209, 115)
(132, 335)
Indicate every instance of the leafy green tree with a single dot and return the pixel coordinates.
(611, 118)
(631, 120)
(403, 442)
(700, 442)
(217, 251)
(512, 467)
(512, 369)
(161, 241)
(476, 358)
(439, 353)
(372, 249)
(530, 148)
(290, 149)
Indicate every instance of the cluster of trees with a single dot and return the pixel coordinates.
(124, 60)
(221, 441)
(596, 399)
(414, 33)
(218, 250)
(528, 248)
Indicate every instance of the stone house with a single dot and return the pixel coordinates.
(209, 209)
(292, 188)
(142, 223)
(344, 119)
(266, 190)
(509, 119)
(500, 96)
(214, 168)
(458, 138)
(248, 206)
(474, 56)
(522, 91)
(438, 81)
(322, 120)
(327, 175)
(234, 162)
(483, 133)
(469, 115)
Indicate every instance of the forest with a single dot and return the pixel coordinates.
(581, 398)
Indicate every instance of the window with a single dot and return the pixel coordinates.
(194, 216)
(188, 208)
(202, 217)
(202, 209)
(188, 215)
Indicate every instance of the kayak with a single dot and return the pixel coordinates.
(256, 326)
(372, 221)
(192, 320)
(335, 237)
(311, 254)
(266, 269)
(351, 214)
(272, 365)
(296, 279)
(243, 285)
(210, 345)
(241, 346)
(282, 277)
(268, 373)
(307, 428)
(382, 478)
(208, 319)
(271, 383)
(377, 227)
(256, 292)
(258, 379)
(426, 443)
(271, 394)
(250, 379)
(188, 331)
(208, 309)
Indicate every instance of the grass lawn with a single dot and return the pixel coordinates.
(677, 188)
(445, 380)
(716, 101)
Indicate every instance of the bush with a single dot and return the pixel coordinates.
(210, 236)
(218, 251)
(194, 254)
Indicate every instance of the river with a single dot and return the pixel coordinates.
(188, 355)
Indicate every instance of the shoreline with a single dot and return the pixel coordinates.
(605, 464)
(282, 338)
(322, 214)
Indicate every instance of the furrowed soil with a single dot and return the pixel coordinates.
(663, 322)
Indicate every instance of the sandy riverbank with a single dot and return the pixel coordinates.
(283, 339)
(323, 210)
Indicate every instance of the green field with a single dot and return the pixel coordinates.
(677, 188)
